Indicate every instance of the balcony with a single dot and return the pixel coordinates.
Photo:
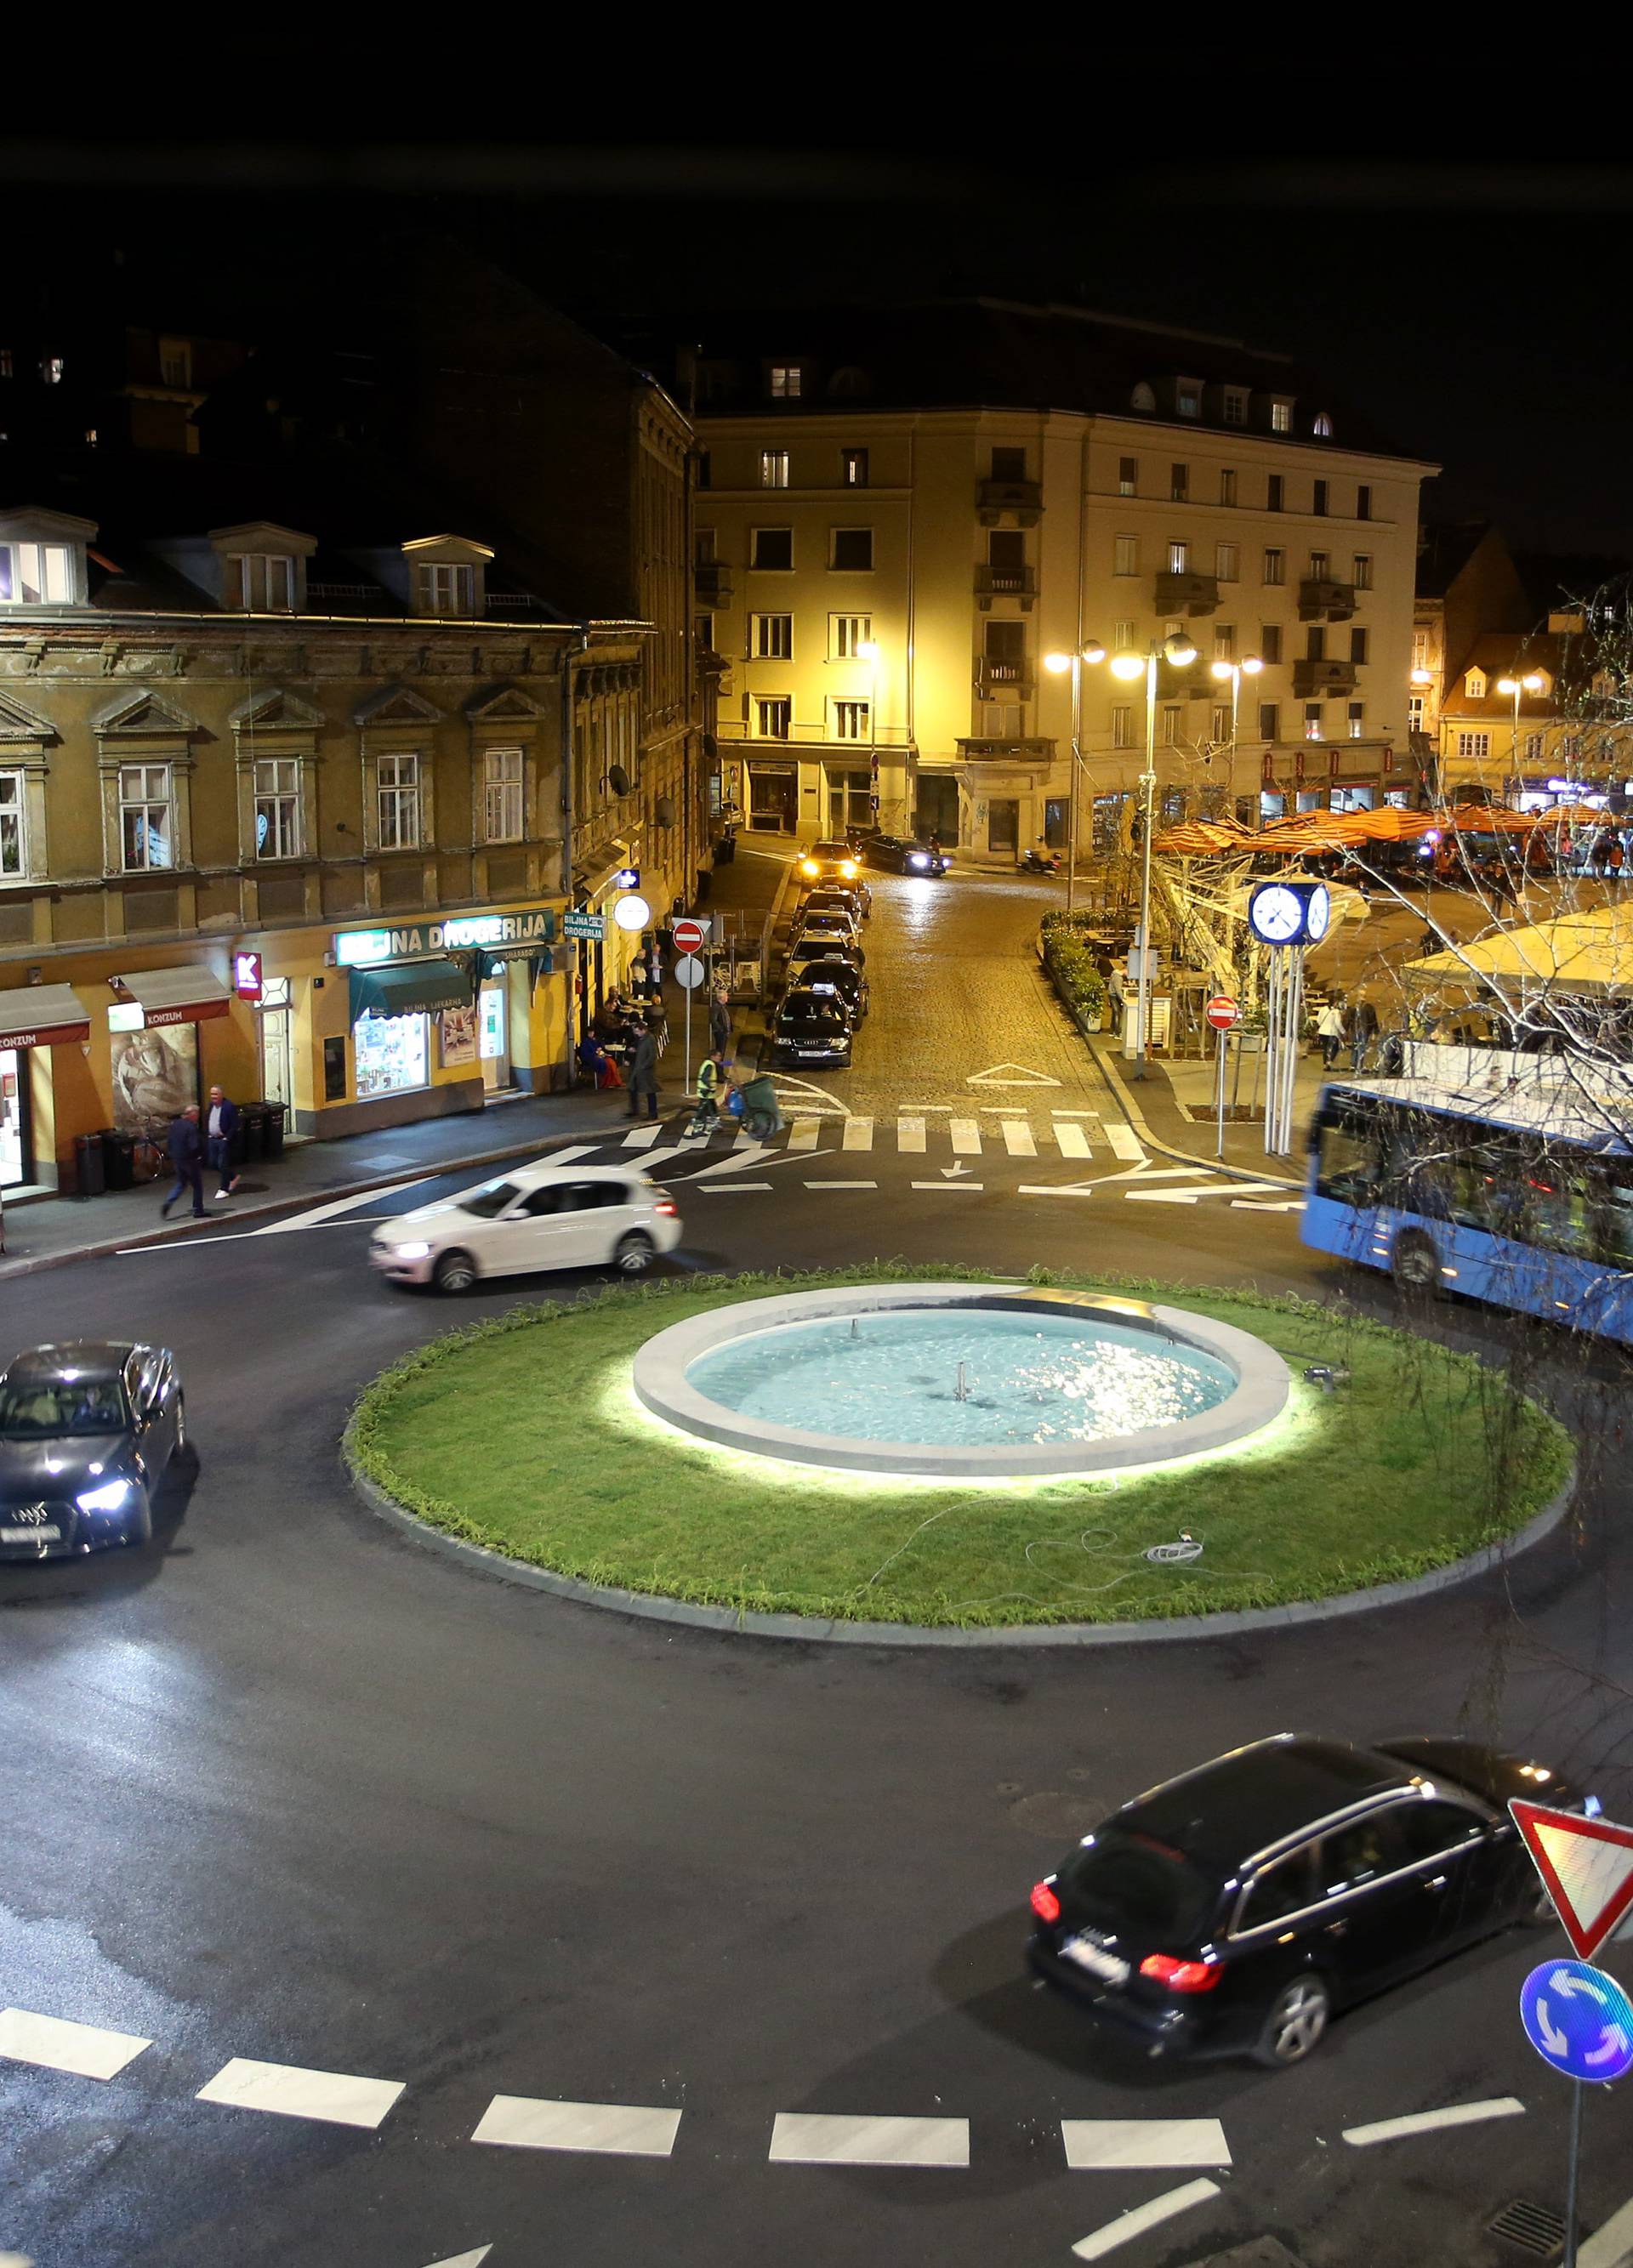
(1317, 680)
(994, 499)
(1188, 593)
(1012, 752)
(815, 736)
(1321, 601)
(1006, 583)
(712, 580)
(1003, 680)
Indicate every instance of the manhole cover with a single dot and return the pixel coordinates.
(1530, 2229)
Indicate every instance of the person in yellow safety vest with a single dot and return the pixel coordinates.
(711, 1084)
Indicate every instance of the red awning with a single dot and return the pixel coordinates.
(188, 994)
(40, 1015)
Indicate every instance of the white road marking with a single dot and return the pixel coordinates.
(1257, 1205)
(1124, 1141)
(1136, 2223)
(1431, 2122)
(620, 2129)
(1056, 1188)
(642, 1137)
(1098, 2145)
(1017, 1138)
(803, 1134)
(316, 1213)
(801, 2138)
(465, 2259)
(841, 1185)
(736, 1188)
(1164, 1197)
(291, 2092)
(1073, 1140)
(966, 1138)
(858, 1134)
(1056, 1112)
(56, 2044)
(909, 1134)
(972, 1187)
(1010, 1074)
(1610, 2244)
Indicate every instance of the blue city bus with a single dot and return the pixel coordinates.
(1523, 1199)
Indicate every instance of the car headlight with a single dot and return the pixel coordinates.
(919, 859)
(410, 1251)
(109, 1497)
(848, 872)
(809, 866)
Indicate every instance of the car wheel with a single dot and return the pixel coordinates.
(456, 1271)
(1296, 2019)
(633, 1253)
(1414, 1264)
(140, 1531)
(182, 1451)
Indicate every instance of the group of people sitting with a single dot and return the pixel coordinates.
(616, 1031)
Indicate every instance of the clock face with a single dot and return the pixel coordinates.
(1318, 912)
(1275, 914)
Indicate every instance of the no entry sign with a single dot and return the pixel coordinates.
(1222, 1012)
(689, 936)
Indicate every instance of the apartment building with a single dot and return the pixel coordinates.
(1533, 721)
(901, 513)
(1469, 587)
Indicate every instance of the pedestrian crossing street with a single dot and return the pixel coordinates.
(914, 1134)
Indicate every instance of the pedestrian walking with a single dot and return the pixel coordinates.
(1117, 997)
(1361, 1023)
(219, 1129)
(710, 1089)
(644, 1073)
(1330, 1032)
(720, 1020)
(187, 1155)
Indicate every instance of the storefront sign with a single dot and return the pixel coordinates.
(591, 927)
(246, 975)
(364, 948)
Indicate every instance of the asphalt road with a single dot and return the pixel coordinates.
(290, 1789)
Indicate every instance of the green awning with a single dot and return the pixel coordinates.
(408, 987)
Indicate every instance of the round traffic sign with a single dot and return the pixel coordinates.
(689, 936)
(1222, 1012)
(689, 972)
(1578, 2019)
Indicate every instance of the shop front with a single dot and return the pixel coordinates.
(154, 1056)
(34, 1020)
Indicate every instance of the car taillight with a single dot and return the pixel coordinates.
(665, 1206)
(1046, 1905)
(1181, 1976)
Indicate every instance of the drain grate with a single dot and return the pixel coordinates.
(1530, 2229)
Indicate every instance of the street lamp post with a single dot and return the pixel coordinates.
(1177, 648)
(1055, 663)
(1249, 665)
(1531, 683)
(869, 652)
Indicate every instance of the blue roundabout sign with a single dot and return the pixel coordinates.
(1578, 2019)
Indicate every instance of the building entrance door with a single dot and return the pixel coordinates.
(276, 1064)
(771, 801)
(493, 1034)
(16, 1162)
(1003, 823)
(936, 812)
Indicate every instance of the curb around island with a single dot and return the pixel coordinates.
(644, 1606)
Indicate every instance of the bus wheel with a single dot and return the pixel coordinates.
(1414, 1264)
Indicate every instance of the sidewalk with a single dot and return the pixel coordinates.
(1169, 1091)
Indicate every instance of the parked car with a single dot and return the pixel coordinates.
(87, 1430)
(811, 1027)
(904, 854)
(853, 898)
(822, 972)
(1234, 1909)
(830, 928)
(533, 1216)
(833, 861)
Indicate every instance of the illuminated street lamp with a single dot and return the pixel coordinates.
(1249, 665)
(869, 652)
(1177, 650)
(1057, 664)
(1531, 683)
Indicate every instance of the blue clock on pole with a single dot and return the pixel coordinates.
(1578, 2019)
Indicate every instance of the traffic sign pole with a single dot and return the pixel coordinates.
(1219, 1095)
(1572, 2173)
(1222, 1011)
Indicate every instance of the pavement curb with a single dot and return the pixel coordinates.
(651, 1607)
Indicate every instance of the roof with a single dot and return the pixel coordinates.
(86, 1357)
(1503, 653)
(1559, 1109)
(1582, 952)
(1226, 1811)
(1444, 552)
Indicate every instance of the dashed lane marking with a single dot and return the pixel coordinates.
(841, 1185)
(973, 1187)
(1055, 1188)
(1072, 1141)
(1431, 2122)
(620, 2130)
(802, 2138)
(290, 2092)
(858, 1134)
(1109, 2144)
(58, 2046)
(910, 1135)
(1135, 2223)
(733, 1188)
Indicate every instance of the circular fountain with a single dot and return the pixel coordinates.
(991, 1382)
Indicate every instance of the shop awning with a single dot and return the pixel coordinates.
(177, 996)
(408, 987)
(39, 1015)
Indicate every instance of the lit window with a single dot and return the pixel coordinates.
(773, 468)
(397, 789)
(1188, 398)
(1313, 720)
(1179, 554)
(1474, 685)
(1128, 476)
(853, 468)
(90, 437)
(277, 808)
(146, 829)
(501, 795)
(13, 847)
(852, 720)
(1473, 748)
(36, 575)
(1357, 718)
(1323, 427)
(1281, 416)
(787, 380)
(51, 370)
(1178, 482)
(772, 636)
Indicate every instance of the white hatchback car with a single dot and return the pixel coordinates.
(537, 1216)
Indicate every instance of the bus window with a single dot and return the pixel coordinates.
(1615, 1212)
(1350, 1160)
(1556, 1206)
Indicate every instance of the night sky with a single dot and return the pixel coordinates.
(1475, 311)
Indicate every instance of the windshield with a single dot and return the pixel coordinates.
(33, 1407)
(811, 1009)
(491, 1200)
(1129, 1884)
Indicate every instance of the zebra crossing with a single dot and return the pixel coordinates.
(911, 1134)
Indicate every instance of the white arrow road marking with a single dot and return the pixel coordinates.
(337, 1206)
(1098, 2145)
(621, 2130)
(743, 1161)
(1142, 2217)
(56, 2044)
(1011, 1074)
(1429, 2122)
(801, 2138)
(951, 1172)
(465, 2259)
(285, 2088)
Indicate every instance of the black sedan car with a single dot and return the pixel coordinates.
(904, 854)
(811, 1027)
(87, 1429)
(818, 971)
(1232, 1911)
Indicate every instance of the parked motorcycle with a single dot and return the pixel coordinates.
(1038, 862)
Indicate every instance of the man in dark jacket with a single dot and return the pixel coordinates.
(644, 1074)
(219, 1128)
(719, 1021)
(188, 1157)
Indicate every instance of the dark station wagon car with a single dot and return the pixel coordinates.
(1233, 1910)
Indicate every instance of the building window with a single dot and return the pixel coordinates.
(1227, 486)
(1235, 405)
(772, 549)
(1534, 747)
(1221, 724)
(397, 789)
(1275, 566)
(1420, 649)
(775, 716)
(1323, 427)
(1170, 727)
(1473, 748)
(1122, 637)
(36, 574)
(51, 370)
(1224, 641)
(1269, 720)
(1357, 645)
(787, 380)
(90, 437)
(1143, 397)
(1363, 502)
(853, 468)
(772, 636)
(6, 369)
(1008, 464)
(1178, 482)
(501, 795)
(1126, 555)
(1313, 720)
(447, 589)
(1361, 571)
(847, 636)
(1319, 566)
(1227, 562)
(258, 586)
(13, 847)
(175, 364)
(277, 808)
(1122, 726)
(1275, 490)
(1128, 476)
(852, 720)
(702, 463)
(773, 468)
(1270, 643)
(853, 551)
(1281, 416)
(1415, 712)
(1179, 555)
(1474, 684)
(1315, 643)
(1357, 719)
(146, 817)
(1319, 505)
(1188, 398)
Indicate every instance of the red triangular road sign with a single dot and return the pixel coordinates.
(1586, 1865)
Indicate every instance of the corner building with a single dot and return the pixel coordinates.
(901, 512)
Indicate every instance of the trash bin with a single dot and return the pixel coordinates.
(118, 1159)
(725, 849)
(88, 1165)
(275, 1129)
(253, 1119)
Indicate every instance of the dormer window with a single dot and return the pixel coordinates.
(262, 567)
(51, 370)
(1188, 396)
(1474, 684)
(449, 574)
(42, 558)
(260, 583)
(175, 364)
(787, 380)
(1323, 426)
(1280, 414)
(1234, 405)
(1143, 397)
